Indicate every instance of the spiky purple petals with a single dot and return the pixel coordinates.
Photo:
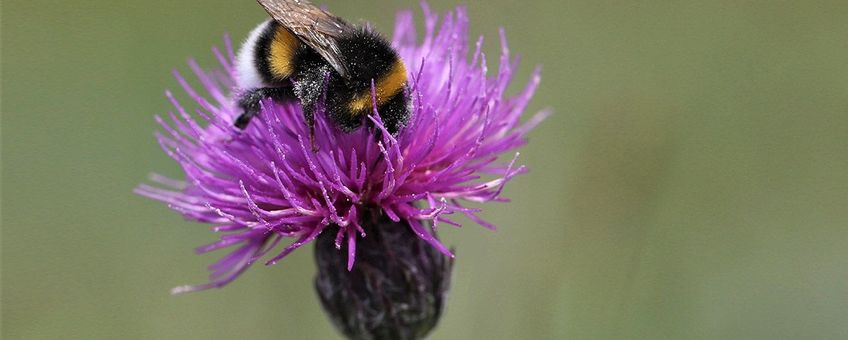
(265, 184)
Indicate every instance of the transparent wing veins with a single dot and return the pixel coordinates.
(314, 26)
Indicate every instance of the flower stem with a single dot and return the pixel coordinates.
(396, 289)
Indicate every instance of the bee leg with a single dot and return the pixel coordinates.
(309, 117)
(249, 102)
(312, 136)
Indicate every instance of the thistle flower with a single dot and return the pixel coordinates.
(265, 185)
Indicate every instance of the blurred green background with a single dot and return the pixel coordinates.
(693, 182)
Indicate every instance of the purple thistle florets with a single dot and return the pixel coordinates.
(265, 184)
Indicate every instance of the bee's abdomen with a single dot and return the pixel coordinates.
(247, 65)
(279, 53)
(267, 56)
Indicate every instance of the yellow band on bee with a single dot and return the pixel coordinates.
(386, 87)
(283, 48)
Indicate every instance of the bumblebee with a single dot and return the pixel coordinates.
(304, 52)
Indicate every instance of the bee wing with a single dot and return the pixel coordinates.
(314, 26)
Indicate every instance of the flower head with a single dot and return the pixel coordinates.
(264, 185)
